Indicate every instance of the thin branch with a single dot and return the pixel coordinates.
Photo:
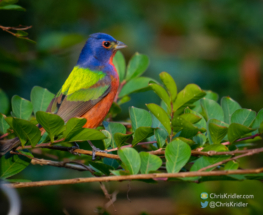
(4, 135)
(130, 145)
(65, 164)
(241, 139)
(135, 177)
(249, 153)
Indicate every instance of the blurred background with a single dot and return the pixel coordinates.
(215, 44)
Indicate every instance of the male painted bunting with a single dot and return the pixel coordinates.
(90, 88)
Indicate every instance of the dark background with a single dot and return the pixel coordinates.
(215, 44)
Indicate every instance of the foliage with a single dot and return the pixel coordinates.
(184, 121)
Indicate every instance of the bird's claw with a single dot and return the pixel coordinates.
(72, 149)
(94, 150)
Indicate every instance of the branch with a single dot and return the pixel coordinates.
(241, 139)
(134, 177)
(249, 153)
(130, 145)
(65, 164)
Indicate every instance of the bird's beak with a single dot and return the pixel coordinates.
(120, 45)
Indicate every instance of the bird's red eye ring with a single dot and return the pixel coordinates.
(106, 44)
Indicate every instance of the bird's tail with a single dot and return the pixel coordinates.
(7, 145)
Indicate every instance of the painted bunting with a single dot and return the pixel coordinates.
(90, 88)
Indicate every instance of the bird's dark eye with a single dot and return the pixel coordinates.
(106, 44)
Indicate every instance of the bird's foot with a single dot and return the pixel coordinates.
(72, 149)
(94, 150)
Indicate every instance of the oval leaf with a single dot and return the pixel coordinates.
(4, 102)
(113, 128)
(161, 115)
(236, 131)
(40, 98)
(52, 123)
(139, 117)
(170, 85)
(160, 91)
(187, 96)
(139, 84)
(149, 162)
(177, 153)
(131, 160)
(243, 116)
(26, 131)
(21, 108)
(3, 124)
(142, 133)
(12, 164)
(119, 62)
(212, 110)
(137, 65)
(229, 107)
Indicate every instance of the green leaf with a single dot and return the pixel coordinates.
(12, 164)
(52, 123)
(149, 162)
(205, 161)
(243, 116)
(211, 95)
(160, 135)
(21, 108)
(73, 127)
(113, 128)
(119, 62)
(111, 162)
(187, 129)
(7, 2)
(201, 123)
(229, 107)
(231, 165)
(139, 117)
(4, 102)
(75, 132)
(236, 131)
(139, 84)
(160, 91)
(170, 85)
(9, 121)
(212, 110)
(123, 100)
(119, 172)
(199, 139)
(40, 98)
(161, 115)
(86, 134)
(3, 124)
(104, 168)
(258, 120)
(120, 138)
(131, 160)
(12, 7)
(142, 133)
(177, 153)
(107, 141)
(115, 109)
(137, 65)
(187, 96)
(216, 131)
(26, 131)
(190, 117)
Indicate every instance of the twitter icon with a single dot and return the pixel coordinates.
(204, 204)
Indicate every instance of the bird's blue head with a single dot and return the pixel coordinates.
(99, 50)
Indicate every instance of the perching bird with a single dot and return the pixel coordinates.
(90, 88)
